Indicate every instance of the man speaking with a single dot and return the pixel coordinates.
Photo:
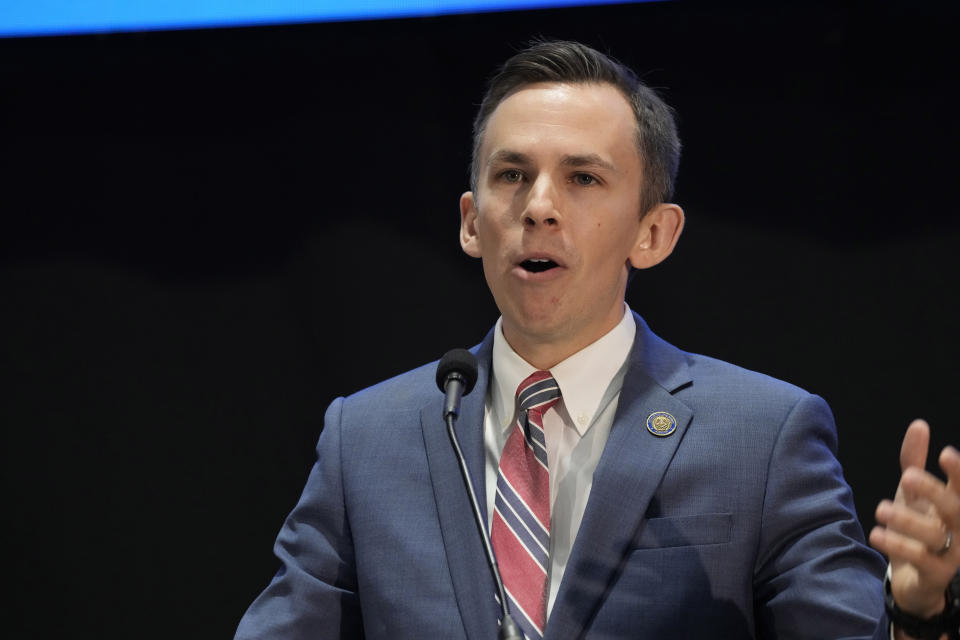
(630, 489)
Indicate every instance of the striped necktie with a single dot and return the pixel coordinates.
(521, 517)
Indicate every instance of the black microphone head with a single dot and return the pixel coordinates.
(460, 361)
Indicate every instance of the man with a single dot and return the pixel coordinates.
(630, 489)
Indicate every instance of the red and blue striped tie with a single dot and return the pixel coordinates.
(521, 517)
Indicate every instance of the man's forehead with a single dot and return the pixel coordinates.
(559, 88)
(563, 96)
(584, 123)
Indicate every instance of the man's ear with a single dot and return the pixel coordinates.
(469, 239)
(659, 232)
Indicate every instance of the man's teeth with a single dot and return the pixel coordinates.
(538, 264)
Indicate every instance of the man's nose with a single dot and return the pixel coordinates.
(542, 207)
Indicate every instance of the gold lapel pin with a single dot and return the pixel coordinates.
(661, 424)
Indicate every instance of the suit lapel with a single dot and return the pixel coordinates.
(630, 469)
(472, 582)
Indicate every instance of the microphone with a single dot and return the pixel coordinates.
(456, 375)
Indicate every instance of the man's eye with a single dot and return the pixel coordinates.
(584, 179)
(512, 175)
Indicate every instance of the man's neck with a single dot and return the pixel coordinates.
(547, 353)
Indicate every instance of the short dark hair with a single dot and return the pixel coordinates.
(563, 61)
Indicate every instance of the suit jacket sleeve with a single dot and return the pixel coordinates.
(814, 574)
(314, 594)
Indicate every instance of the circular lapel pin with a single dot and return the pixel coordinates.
(661, 423)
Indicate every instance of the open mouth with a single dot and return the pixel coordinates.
(538, 265)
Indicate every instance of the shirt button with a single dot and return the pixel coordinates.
(582, 419)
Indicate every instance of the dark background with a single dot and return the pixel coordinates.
(207, 236)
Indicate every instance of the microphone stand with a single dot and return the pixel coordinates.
(508, 628)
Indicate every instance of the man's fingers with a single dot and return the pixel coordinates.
(913, 528)
(930, 490)
(913, 451)
(950, 463)
(901, 548)
(928, 530)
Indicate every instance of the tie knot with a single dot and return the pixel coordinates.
(538, 391)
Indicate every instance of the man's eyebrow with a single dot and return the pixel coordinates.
(588, 160)
(506, 156)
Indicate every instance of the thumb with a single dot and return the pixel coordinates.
(916, 442)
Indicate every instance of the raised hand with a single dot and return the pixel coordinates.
(918, 529)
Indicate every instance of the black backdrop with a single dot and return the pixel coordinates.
(208, 235)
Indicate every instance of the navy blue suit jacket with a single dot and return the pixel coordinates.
(739, 525)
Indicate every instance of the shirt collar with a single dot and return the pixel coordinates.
(583, 378)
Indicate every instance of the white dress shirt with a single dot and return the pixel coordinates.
(576, 428)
